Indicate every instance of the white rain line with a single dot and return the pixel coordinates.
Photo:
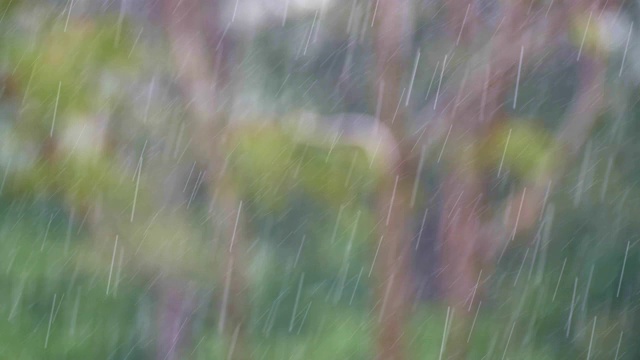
(375, 256)
(485, 88)
(446, 330)
(413, 77)
(559, 278)
(118, 271)
(178, 140)
(235, 10)
(386, 297)
(393, 196)
(189, 177)
(356, 286)
(350, 23)
(68, 14)
(6, 173)
(286, 10)
(113, 257)
(222, 37)
(295, 262)
(333, 144)
(149, 95)
(335, 227)
(445, 143)
(586, 291)
(515, 227)
(55, 109)
(146, 231)
(496, 30)
(584, 36)
(175, 337)
(624, 57)
(313, 24)
(573, 302)
(55, 314)
(504, 153)
(414, 191)
(304, 317)
(321, 13)
(123, 8)
(432, 78)
(474, 322)
(234, 340)
(135, 194)
(618, 347)
(463, 22)
(398, 107)
(424, 219)
(75, 145)
(475, 290)
(605, 183)
(379, 99)
(282, 86)
(457, 100)
(524, 258)
(544, 202)
(74, 313)
(295, 305)
(624, 262)
(235, 227)
(135, 42)
(350, 173)
(225, 297)
(515, 97)
(455, 205)
(46, 232)
(375, 11)
(353, 235)
(5, 12)
(549, 8)
(46, 340)
(199, 180)
(26, 90)
(444, 64)
(593, 330)
(504, 354)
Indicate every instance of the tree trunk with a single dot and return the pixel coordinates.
(234, 308)
(176, 303)
(192, 30)
(459, 234)
(394, 285)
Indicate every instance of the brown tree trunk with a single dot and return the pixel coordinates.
(469, 242)
(459, 235)
(233, 289)
(192, 30)
(394, 192)
(176, 303)
(393, 284)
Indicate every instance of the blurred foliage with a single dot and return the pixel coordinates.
(67, 72)
(272, 164)
(84, 124)
(519, 145)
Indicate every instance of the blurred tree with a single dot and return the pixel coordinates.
(105, 184)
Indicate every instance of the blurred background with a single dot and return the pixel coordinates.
(319, 179)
